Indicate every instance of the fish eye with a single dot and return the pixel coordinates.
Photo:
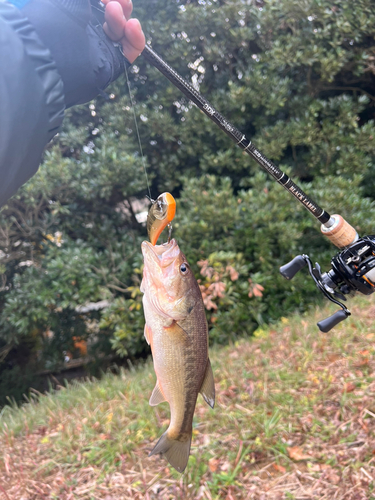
(184, 268)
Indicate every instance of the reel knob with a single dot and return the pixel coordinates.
(290, 269)
(327, 324)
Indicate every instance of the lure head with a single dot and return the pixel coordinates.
(161, 213)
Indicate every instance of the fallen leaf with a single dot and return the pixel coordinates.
(325, 467)
(364, 353)
(313, 467)
(349, 387)
(279, 468)
(296, 453)
(332, 477)
(213, 464)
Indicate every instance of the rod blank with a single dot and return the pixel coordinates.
(238, 137)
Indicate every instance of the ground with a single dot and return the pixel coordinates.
(294, 419)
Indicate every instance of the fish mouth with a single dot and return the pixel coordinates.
(162, 255)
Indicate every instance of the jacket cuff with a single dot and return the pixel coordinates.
(110, 53)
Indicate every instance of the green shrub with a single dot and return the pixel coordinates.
(296, 77)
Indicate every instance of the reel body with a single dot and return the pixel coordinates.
(354, 267)
(353, 270)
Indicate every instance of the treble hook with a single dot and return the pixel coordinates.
(160, 215)
(170, 227)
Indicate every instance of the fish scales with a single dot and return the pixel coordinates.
(180, 367)
(176, 328)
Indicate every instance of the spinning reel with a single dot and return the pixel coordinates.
(353, 270)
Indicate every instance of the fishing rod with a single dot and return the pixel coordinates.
(353, 269)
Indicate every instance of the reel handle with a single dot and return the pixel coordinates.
(327, 324)
(290, 269)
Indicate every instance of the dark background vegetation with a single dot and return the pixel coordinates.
(298, 77)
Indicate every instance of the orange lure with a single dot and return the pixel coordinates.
(161, 213)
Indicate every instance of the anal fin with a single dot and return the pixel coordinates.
(208, 386)
(157, 396)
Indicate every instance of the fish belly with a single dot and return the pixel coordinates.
(180, 367)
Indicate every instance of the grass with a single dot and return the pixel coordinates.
(294, 419)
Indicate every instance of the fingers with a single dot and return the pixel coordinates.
(126, 5)
(128, 33)
(115, 21)
(134, 40)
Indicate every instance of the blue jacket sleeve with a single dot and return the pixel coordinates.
(86, 58)
(53, 55)
(31, 100)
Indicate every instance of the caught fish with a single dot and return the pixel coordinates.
(176, 329)
(161, 213)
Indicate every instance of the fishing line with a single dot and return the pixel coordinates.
(100, 11)
(137, 130)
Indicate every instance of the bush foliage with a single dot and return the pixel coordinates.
(296, 77)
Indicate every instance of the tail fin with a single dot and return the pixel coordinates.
(176, 452)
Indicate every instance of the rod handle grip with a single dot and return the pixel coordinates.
(290, 269)
(341, 233)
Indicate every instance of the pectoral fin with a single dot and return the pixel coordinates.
(148, 334)
(157, 396)
(208, 386)
(177, 333)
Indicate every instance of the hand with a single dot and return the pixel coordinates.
(120, 28)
